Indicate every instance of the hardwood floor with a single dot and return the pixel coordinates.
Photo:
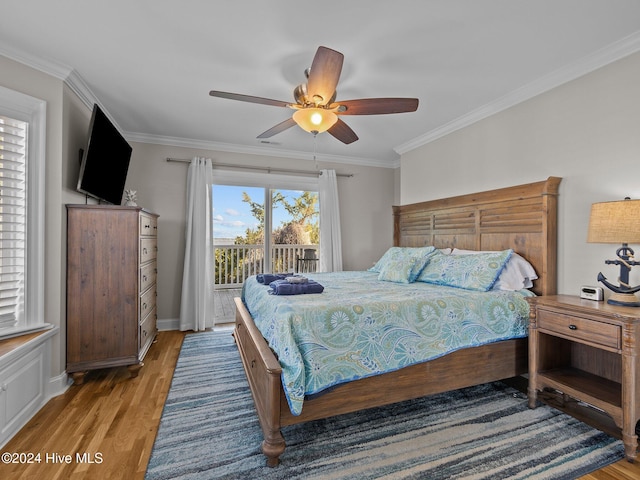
(117, 417)
(111, 415)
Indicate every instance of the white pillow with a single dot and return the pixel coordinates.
(516, 275)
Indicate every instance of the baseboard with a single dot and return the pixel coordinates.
(58, 385)
(166, 324)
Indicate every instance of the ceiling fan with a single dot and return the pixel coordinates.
(316, 109)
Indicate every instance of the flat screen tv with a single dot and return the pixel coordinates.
(105, 160)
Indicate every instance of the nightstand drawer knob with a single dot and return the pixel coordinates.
(572, 327)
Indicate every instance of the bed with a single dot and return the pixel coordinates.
(522, 218)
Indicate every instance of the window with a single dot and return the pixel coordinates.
(22, 142)
(13, 212)
(245, 206)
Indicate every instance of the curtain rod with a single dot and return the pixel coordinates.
(264, 169)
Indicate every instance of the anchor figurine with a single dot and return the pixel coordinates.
(624, 294)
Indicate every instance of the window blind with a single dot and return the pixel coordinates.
(13, 151)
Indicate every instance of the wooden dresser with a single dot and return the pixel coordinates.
(111, 287)
(588, 351)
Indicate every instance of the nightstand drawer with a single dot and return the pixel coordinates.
(580, 329)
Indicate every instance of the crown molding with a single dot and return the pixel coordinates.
(263, 151)
(55, 69)
(77, 84)
(588, 64)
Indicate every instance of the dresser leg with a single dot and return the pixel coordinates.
(78, 377)
(134, 369)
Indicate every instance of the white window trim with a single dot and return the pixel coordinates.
(266, 180)
(33, 111)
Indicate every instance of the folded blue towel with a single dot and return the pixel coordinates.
(267, 278)
(283, 287)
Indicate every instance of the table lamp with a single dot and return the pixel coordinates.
(617, 222)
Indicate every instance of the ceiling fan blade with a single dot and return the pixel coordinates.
(378, 106)
(343, 132)
(249, 98)
(281, 127)
(324, 75)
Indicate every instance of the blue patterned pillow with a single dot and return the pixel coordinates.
(386, 257)
(394, 253)
(472, 272)
(403, 264)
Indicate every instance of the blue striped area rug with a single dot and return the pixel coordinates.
(209, 430)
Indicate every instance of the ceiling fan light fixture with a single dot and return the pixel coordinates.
(315, 120)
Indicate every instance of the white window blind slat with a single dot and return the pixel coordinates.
(13, 171)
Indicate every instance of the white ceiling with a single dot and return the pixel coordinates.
(152, 63)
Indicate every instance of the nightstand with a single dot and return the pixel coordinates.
(588, 351)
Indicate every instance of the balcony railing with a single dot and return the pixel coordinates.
(235, 263)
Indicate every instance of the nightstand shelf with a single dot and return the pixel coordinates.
(588, 351)
(592, 389)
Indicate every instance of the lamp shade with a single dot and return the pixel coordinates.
(315, 120)
(615, 222)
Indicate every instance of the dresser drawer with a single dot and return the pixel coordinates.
(148, 225)
(147, 302)
(147, 330)
(148, 275)
(580, 329)
(148, 249)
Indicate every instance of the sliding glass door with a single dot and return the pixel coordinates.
(295, 233)
(238, 234)
(242, 215)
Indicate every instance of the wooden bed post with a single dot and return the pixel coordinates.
(550, 260)
(264, 376)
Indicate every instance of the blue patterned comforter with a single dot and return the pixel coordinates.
(361, 326)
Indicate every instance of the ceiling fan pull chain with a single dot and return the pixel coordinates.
(315, 148)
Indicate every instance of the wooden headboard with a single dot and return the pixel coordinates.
(523, 217)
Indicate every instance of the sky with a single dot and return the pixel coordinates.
(232, 216)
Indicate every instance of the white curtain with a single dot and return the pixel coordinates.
(196, 306)
(330, 238)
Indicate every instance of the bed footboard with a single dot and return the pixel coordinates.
(263, 374)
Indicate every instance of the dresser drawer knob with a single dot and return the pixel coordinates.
(572, 327)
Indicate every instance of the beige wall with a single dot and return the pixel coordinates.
(365, 203)
(67, 122)
(586, 131)
(366, 198)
